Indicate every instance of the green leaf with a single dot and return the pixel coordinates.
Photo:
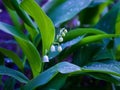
(28, 48)
(67, 10)
(85, 54)
(105, 77)
(91, 15)
(81, 31)
(15, 18)
(117, 24)
(24, 16)
(103, 54)
(8, 4)
(56, 83)
(9, 83)
(43, 21)
(31, 31)
(84, 41)
(30, 26)
(13, 73)
(41, 79)
(109, 67)
(46, 76)
(51, 4)
(95, 38)
(108, 22)
(13, 56)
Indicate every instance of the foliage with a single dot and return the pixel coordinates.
(55, 52)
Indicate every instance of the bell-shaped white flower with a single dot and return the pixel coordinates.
(63, 34)
(60, 39)
(61, 30)
(59, 48)
(65, 31)
(52, 49)
(45, 58)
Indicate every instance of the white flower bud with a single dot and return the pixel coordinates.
(45, 58)
(60, 39)
(61, 30)
(65, 31)
(52, 48)
(59, 48)
(63, 34)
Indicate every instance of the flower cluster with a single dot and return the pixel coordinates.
(60, 36)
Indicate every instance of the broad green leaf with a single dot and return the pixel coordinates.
(118, 24)
(28, 48)
(56, 83)
(111, 68)
(117, 44)
(31, 31)
(30, 26)
(51, 4)
(103, 54)
(13, 73)
(46, 76)
(8, 4)
(24, 16)
(82, 31)
(85, 54)
(95, 38)
(108, 67)
(14, 17)
(84, 41)
(105, 77)
(13, 56)
(91, 15)
(9, 83)
(44, 23)
(66, 67)
(108, 22)
(41, 79)
(14, 5)
(67, 10)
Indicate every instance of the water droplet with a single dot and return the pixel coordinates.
(69, 3)
(71, 9)
(68, 13)
(67, 68)
(81, 3)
